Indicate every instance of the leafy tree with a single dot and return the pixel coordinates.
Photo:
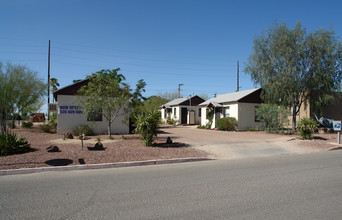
(21, 91)
(272, 117)
(153, 103)
(169, 95)
(106, 94)
(294, 67)
(76, 80)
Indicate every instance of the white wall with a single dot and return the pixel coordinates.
(68, 119)
(204, 119)
(246, 114)
(243, 112)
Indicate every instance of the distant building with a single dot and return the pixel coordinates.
(241, 105)
(183, 110)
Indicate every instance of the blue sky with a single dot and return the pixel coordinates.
(165, 42)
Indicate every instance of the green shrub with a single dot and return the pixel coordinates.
(47, 128)
(26, 124)
(84, 129)
(147, 126)
(252, 129)
(226, 124)
(11, 124)
(306, 127)
(13, 144)
(272, 117)
(201, 127)
(53, 119)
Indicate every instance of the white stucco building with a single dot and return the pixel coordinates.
(70, 115)
(183, 110)
(240, 105)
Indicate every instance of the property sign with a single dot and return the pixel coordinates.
(65, 109)
(337, 125)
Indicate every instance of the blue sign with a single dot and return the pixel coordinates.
(72, 109)
(337, 125)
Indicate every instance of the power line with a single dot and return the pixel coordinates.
(135, 58)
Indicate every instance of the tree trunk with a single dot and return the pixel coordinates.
(109, 129)
(294, 114)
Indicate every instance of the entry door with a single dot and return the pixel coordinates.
(184, 115)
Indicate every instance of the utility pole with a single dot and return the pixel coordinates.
(179, 85)
(49, 80)
(238, 86)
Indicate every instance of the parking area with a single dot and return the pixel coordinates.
(230, 145)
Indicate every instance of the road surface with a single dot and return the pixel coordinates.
(307, 186)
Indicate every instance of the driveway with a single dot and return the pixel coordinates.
(229, 145)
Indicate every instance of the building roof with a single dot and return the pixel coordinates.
(232, 97)
(195, 100)
(70, 89)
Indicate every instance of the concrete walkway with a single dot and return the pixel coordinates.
(230, 145)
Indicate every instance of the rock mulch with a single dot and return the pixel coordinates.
(120, 149)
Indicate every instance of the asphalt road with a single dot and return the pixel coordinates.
(307, 186)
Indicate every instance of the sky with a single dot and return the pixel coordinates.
(196, 43)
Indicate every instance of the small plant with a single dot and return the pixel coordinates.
(226, 124)
(252, 129)
(53, 120)
(26, 124)
(97, 139)
(83, 129)
(47, 128)
(210, 117)
(306, 128)
(11, 124)
(13, 144)
(201, 127)
(147, 127)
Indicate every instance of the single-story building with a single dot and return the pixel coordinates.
(70, 114)
(241, 105)
(183, 110)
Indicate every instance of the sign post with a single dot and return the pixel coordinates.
(337, 127)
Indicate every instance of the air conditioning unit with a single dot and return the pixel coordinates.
(52, 107)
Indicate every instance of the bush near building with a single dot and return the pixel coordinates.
(226, 124)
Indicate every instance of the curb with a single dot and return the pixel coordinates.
(99, 166)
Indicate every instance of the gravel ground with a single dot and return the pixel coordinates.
(189, 142)
(121, 149)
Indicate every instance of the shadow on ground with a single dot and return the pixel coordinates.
(173, 145)
(59, 162)
(336, 148)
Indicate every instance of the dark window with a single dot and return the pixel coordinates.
(199, 112)
(174, 111)
(95, 116)
(227, 112)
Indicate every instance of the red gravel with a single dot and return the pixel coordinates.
(119, 150)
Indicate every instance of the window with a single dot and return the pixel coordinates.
(95, 116)
(199, 112)
(227, 112)
(174, 111)
(255, 114)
